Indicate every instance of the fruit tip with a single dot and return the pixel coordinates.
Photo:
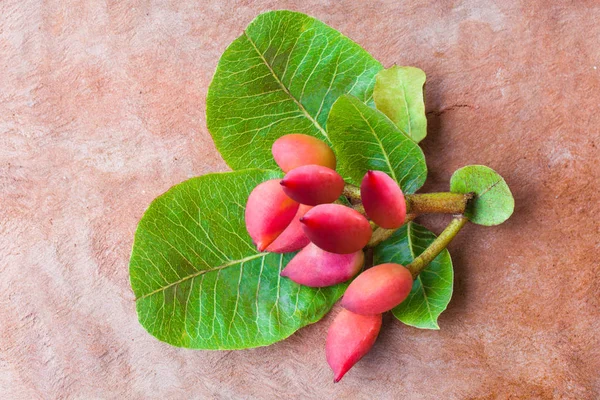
(371, 176)
(343, 303)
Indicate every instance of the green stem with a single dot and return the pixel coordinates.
(352, 192)
(381, 234)
(437, 246)
(360, 208)
(432, 203)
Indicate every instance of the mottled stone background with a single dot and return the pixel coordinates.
(102, 108)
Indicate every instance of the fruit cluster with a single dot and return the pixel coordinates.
(303, 212)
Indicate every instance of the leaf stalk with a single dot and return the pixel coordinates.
(437, 246)
(382, 234)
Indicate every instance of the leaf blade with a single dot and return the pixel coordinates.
(493, 203)
(432, 290)
(199, 282)
(398, 93)
(365, 139)
(290, 68)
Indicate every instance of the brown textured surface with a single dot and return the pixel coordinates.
(102, 109)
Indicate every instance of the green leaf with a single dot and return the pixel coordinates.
(198, 280)
(493, 203)
(365, 139)
(282, 76)
(398, 93)
(432, 290)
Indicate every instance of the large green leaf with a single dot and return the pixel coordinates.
(432, 290)
(398, 93)
(198, 280)
(493, 203)
(365, 139)
(282, 76)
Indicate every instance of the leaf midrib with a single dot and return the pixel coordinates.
(412, 253)
(408, 116)
(285, 89)
(202, 272)
(489, 188)
(387, 159)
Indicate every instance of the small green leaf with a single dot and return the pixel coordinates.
(432, 290)
(493, 203)
(398, 93)
(198, 280)
(365, 139)
(282, 76)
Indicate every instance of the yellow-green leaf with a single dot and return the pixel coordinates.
(398, 93)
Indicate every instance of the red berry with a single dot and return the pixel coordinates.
(349, 338)
(268, 212)
(383, 200)
(313, 185)
(293, 237)
(294, 150)
(378, 289)
(336, 228)
(315, 267)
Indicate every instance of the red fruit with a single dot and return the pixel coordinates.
(383, 200)
(293, 237)
(294, 150)
(313, 184)
(268, 212)
(336, 228)
(349, 338)
(378, 289)
(315, 267)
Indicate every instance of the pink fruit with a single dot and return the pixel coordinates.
(313, 184)
(293, 237)
(378, 289)
(349, 338)
(315, 267)
(268, 212)
(336, 228)
(383, 200)
(294, 150)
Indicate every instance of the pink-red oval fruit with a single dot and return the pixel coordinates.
(313, 185)
(294, 150)
(349, 338)
(316, 267)
(268, 212)
(336, 228)
(293, 237)
(378, 289)
(383, 200)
